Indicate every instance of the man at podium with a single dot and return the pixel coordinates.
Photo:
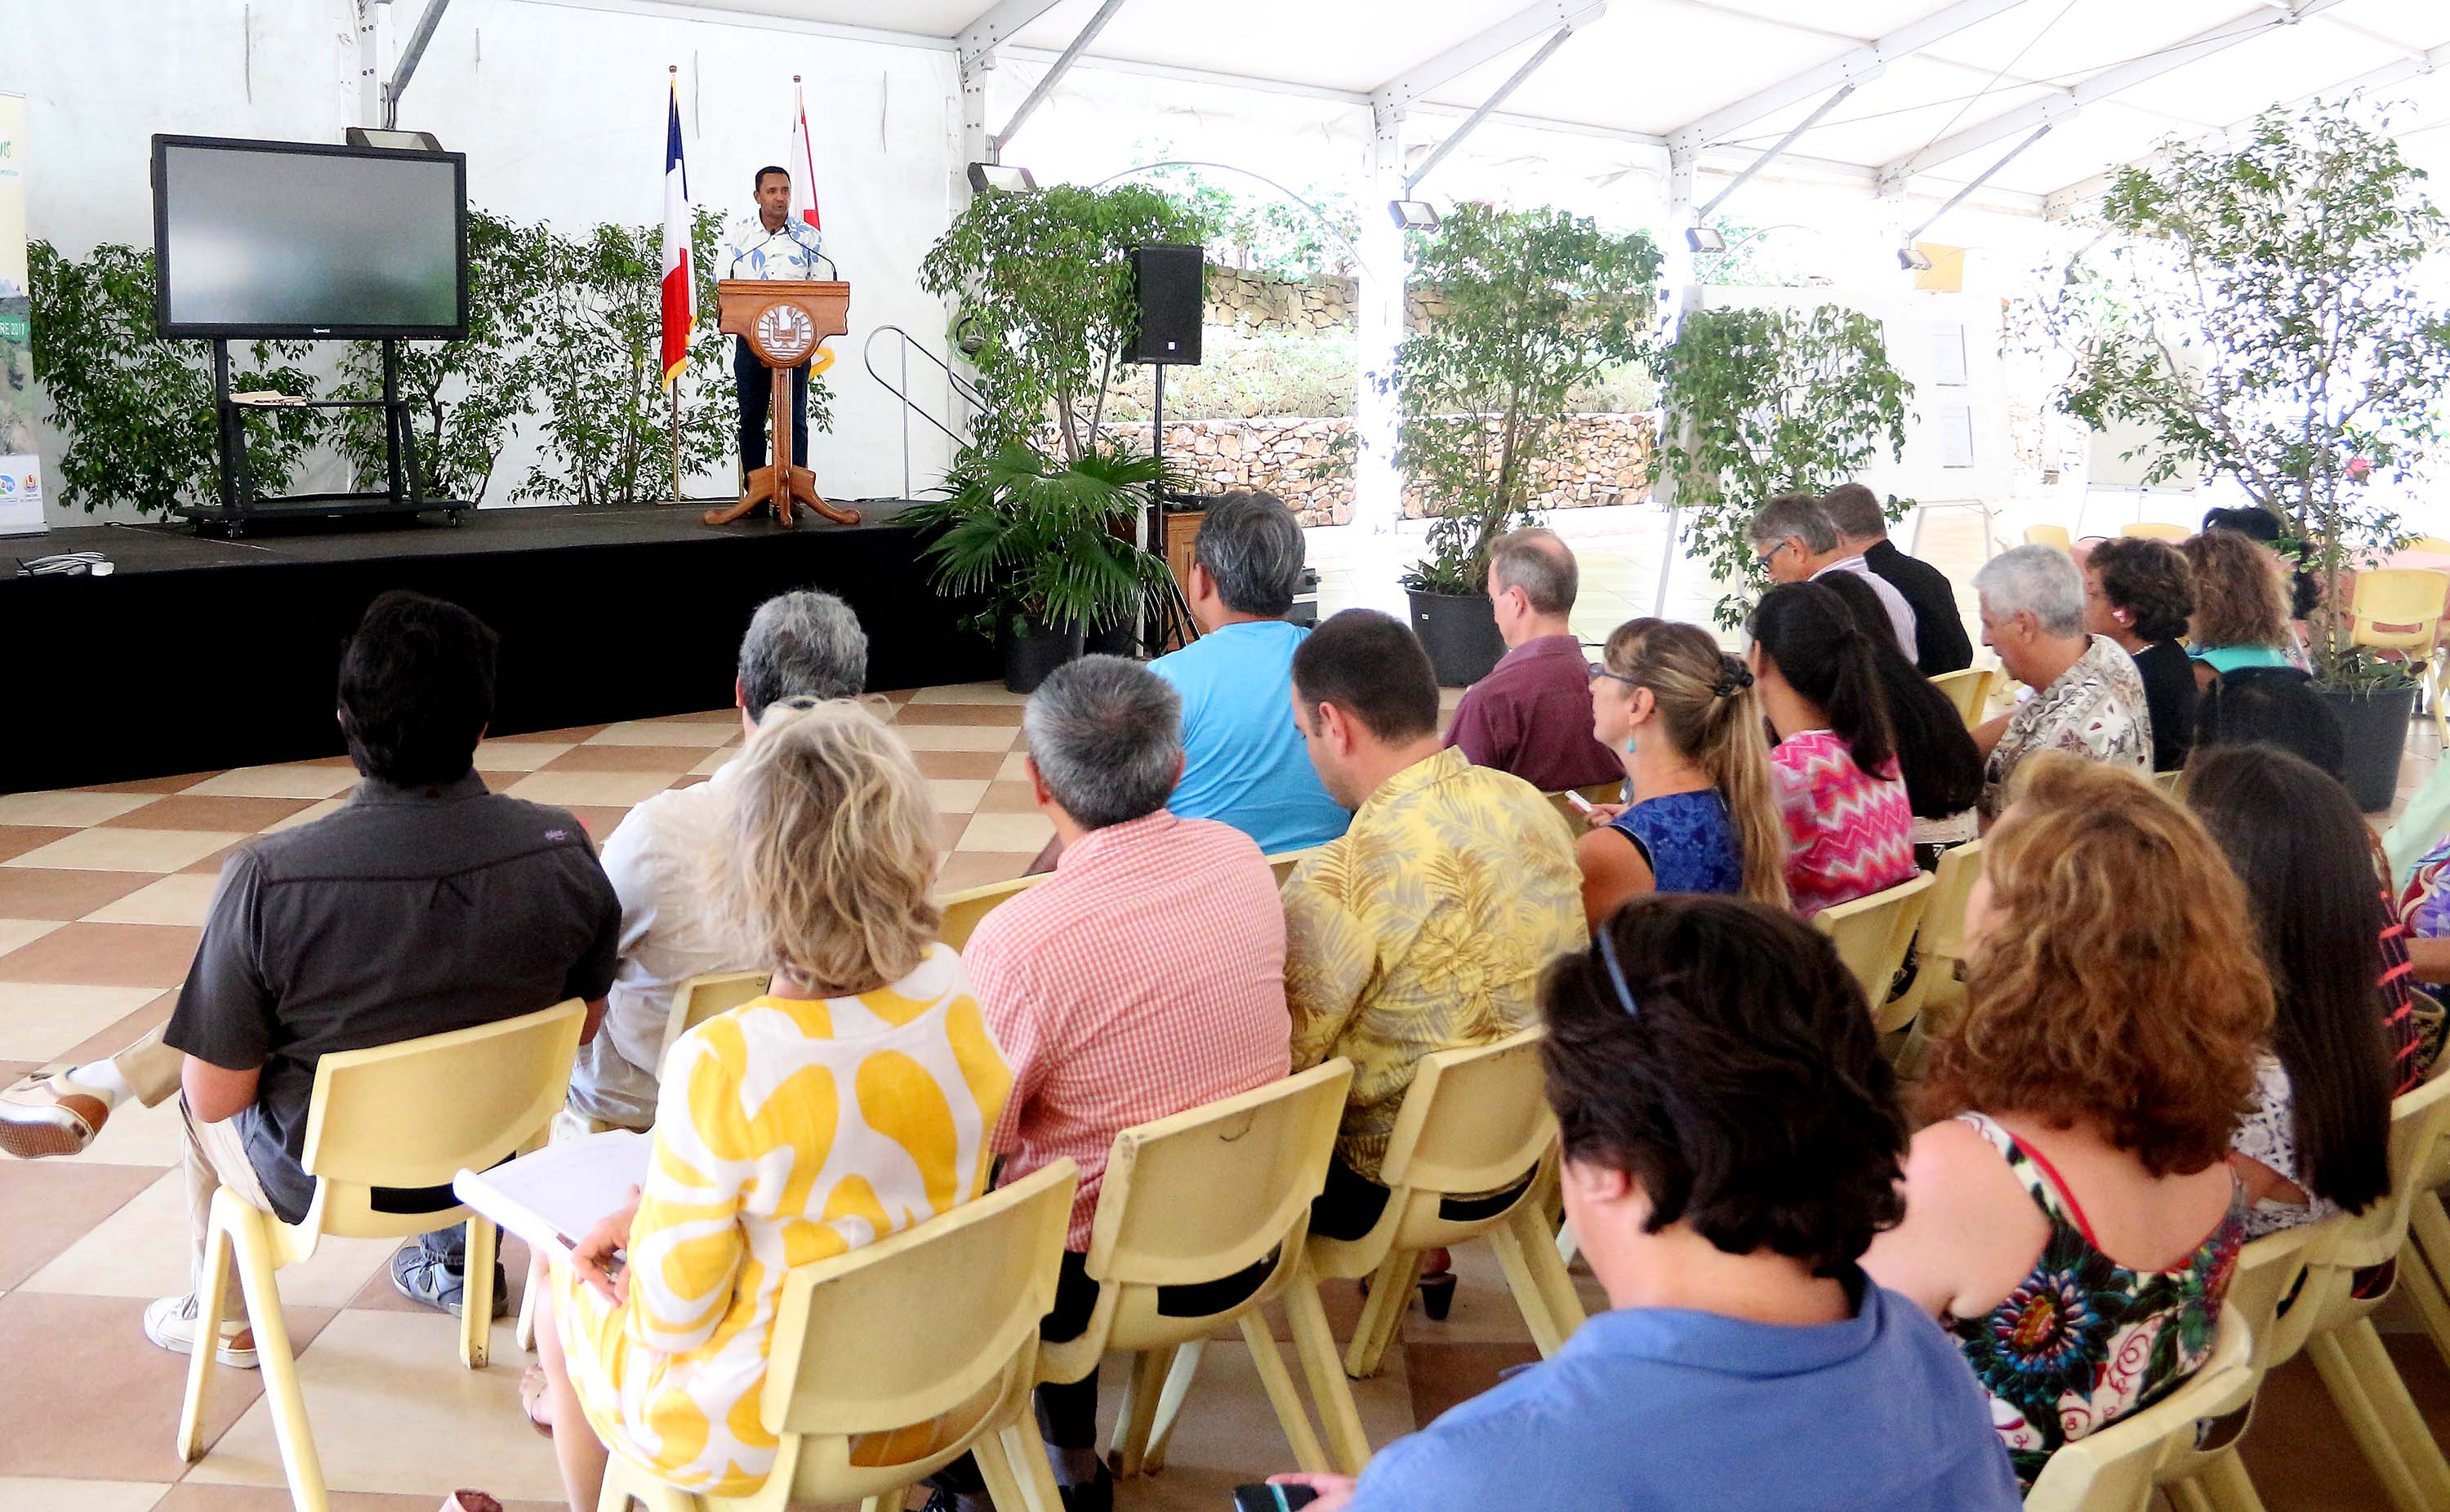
(772, 244)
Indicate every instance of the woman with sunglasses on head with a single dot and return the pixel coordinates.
(1683, 718)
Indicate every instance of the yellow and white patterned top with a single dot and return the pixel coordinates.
(788, 1131)
(1425, 928)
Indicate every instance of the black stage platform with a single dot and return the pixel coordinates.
(199, 654)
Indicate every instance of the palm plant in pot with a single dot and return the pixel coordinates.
(1044, 544)
(1538, 304)
(2256, 306)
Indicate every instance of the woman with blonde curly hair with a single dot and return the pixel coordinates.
(2076, 1223)
(2241, 615)
(853, 1101)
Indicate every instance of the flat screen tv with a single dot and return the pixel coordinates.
(299, 239)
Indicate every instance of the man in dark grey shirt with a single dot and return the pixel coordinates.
(425, 904)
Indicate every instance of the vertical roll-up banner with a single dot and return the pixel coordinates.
(21, 470)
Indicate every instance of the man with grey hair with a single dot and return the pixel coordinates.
(1939, 625)
(1145, 976)
(802, 644)
(1243, 762)
(1795, 541)
(2087, 698)
(1531, 715)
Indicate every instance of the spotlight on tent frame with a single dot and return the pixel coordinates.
(391, 141)
(1002, 177)
(1413, 214)
(1911, 257)
(1704, 239)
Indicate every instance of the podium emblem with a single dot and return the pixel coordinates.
(787, 334)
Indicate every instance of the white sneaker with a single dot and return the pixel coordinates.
(170, 1322)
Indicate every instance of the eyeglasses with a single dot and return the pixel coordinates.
(1763, 560)
(1616, 973)
(1597, 672)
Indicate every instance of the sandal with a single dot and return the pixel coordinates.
(533, 1386)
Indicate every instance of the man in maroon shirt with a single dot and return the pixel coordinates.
(1531, 715)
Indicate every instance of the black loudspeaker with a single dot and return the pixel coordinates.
(1167, 290)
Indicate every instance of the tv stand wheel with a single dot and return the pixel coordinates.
(453, 516)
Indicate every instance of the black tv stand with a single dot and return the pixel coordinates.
(404, 490)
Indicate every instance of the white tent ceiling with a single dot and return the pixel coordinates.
(1650, 70)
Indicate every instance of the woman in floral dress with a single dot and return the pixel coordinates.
(2075, 1225)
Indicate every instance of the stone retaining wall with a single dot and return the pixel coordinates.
(1240, 299)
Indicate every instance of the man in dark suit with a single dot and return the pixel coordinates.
(1940, 642)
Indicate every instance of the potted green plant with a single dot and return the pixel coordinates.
(1768, 401)
(2256, 306)
(1538, 304)
(1045, 544)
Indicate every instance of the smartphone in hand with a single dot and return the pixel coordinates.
(1271, 1498)
(1582, 804)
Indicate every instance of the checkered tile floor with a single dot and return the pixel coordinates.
(102, 893)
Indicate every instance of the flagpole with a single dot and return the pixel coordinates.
(673, 389)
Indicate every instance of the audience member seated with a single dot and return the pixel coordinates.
(1427, 926)
(2241, 618)
(1704, 814)
(799, 646)
(1145, 976)
(2318, 1142)
(1243, 762)
(818, 869)
(1936, 756)
(1940, 642)
(1795, 541)
(424, 905)
(2076, 1223)
(2088, 699)
(1731, 1142)
(2139, 593)
(2273, 705)
(1849, 822)
(2262, 527)
(1531, 715)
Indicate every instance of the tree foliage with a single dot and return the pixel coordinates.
(1768, 401)
(2259, 312)
(1045, 287)
(1538, 304)
(1265, 231)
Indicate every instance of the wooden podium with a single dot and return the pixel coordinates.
(783, 321)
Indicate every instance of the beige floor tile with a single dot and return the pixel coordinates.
(16, 931)
(713, 761)
(70, 808)
(954, 796)
(46, 1206)
(92, 955)
(987, 693)
(646, 732)
(192, 1497)
(517, 755)
(30, 1495)
(279, 781)
(393, 1408)
(137, 1135)
(1028, 832)
(1013, 771)
(153, 850)
(959, 737)
(141, 1250)
(40, 1020)
(181, 897)
(591, 789)
(319, 810)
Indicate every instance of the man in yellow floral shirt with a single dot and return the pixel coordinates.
(1428, 926)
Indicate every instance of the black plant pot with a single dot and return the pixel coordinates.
(1460, 632)
(2376, 728)
(1118, 639)
(1030, 656)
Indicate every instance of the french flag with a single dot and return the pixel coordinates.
(680, 286)
(803, 161)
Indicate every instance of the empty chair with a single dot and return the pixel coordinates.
(1970, 689)
(874, 1382)
(2049, 535)
(964, 909)
(1475, 1122)
(2115, 1469)
(2155, 531)
(1934, 1003)
(2398, 608)
(1873, 936)
(384, 1121)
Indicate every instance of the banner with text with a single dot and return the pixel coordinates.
(21, 470)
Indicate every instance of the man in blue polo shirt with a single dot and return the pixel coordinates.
(1244, 763)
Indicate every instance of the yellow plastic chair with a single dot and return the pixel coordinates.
(2204, 1476)
(1873, 936)
(398, 1117)
(2398, 608)
(1969, 689)
(1934, 1003)
(2050, 535)
(1283, 862)
(2170, 782)
(1474, 1122)
(702, 997)
(874, 1382)
(2432, 544)
(2425, 1263)
(1204, 1196)
(2116, 1469)
(2155, 531)
(964, 909)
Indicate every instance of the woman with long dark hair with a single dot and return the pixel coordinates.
(1936, 756)
(2319, 1141)
(1849, 822)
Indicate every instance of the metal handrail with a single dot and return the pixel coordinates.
(962, 387)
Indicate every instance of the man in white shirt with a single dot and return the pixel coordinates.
(772, 244)
(799, 645)
(1796, 541)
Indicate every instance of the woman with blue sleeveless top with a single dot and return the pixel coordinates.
(1683, 718)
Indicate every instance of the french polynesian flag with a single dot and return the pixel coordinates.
(803, 161)
(680, 286)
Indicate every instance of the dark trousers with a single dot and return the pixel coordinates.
(754, 382)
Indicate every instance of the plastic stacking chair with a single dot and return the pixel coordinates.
(1934, 1003)
(2398, 608)
(2116, 1469)
(963, 910)
(2433, 545)
(1199, 1198)
(2424, 1262)
(1873, 936)
(1283, 862)
(874, 1382)
(2155, 531)
(382, 1121)
(1476, 1121)
(2049, 535)
(1969, 689)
